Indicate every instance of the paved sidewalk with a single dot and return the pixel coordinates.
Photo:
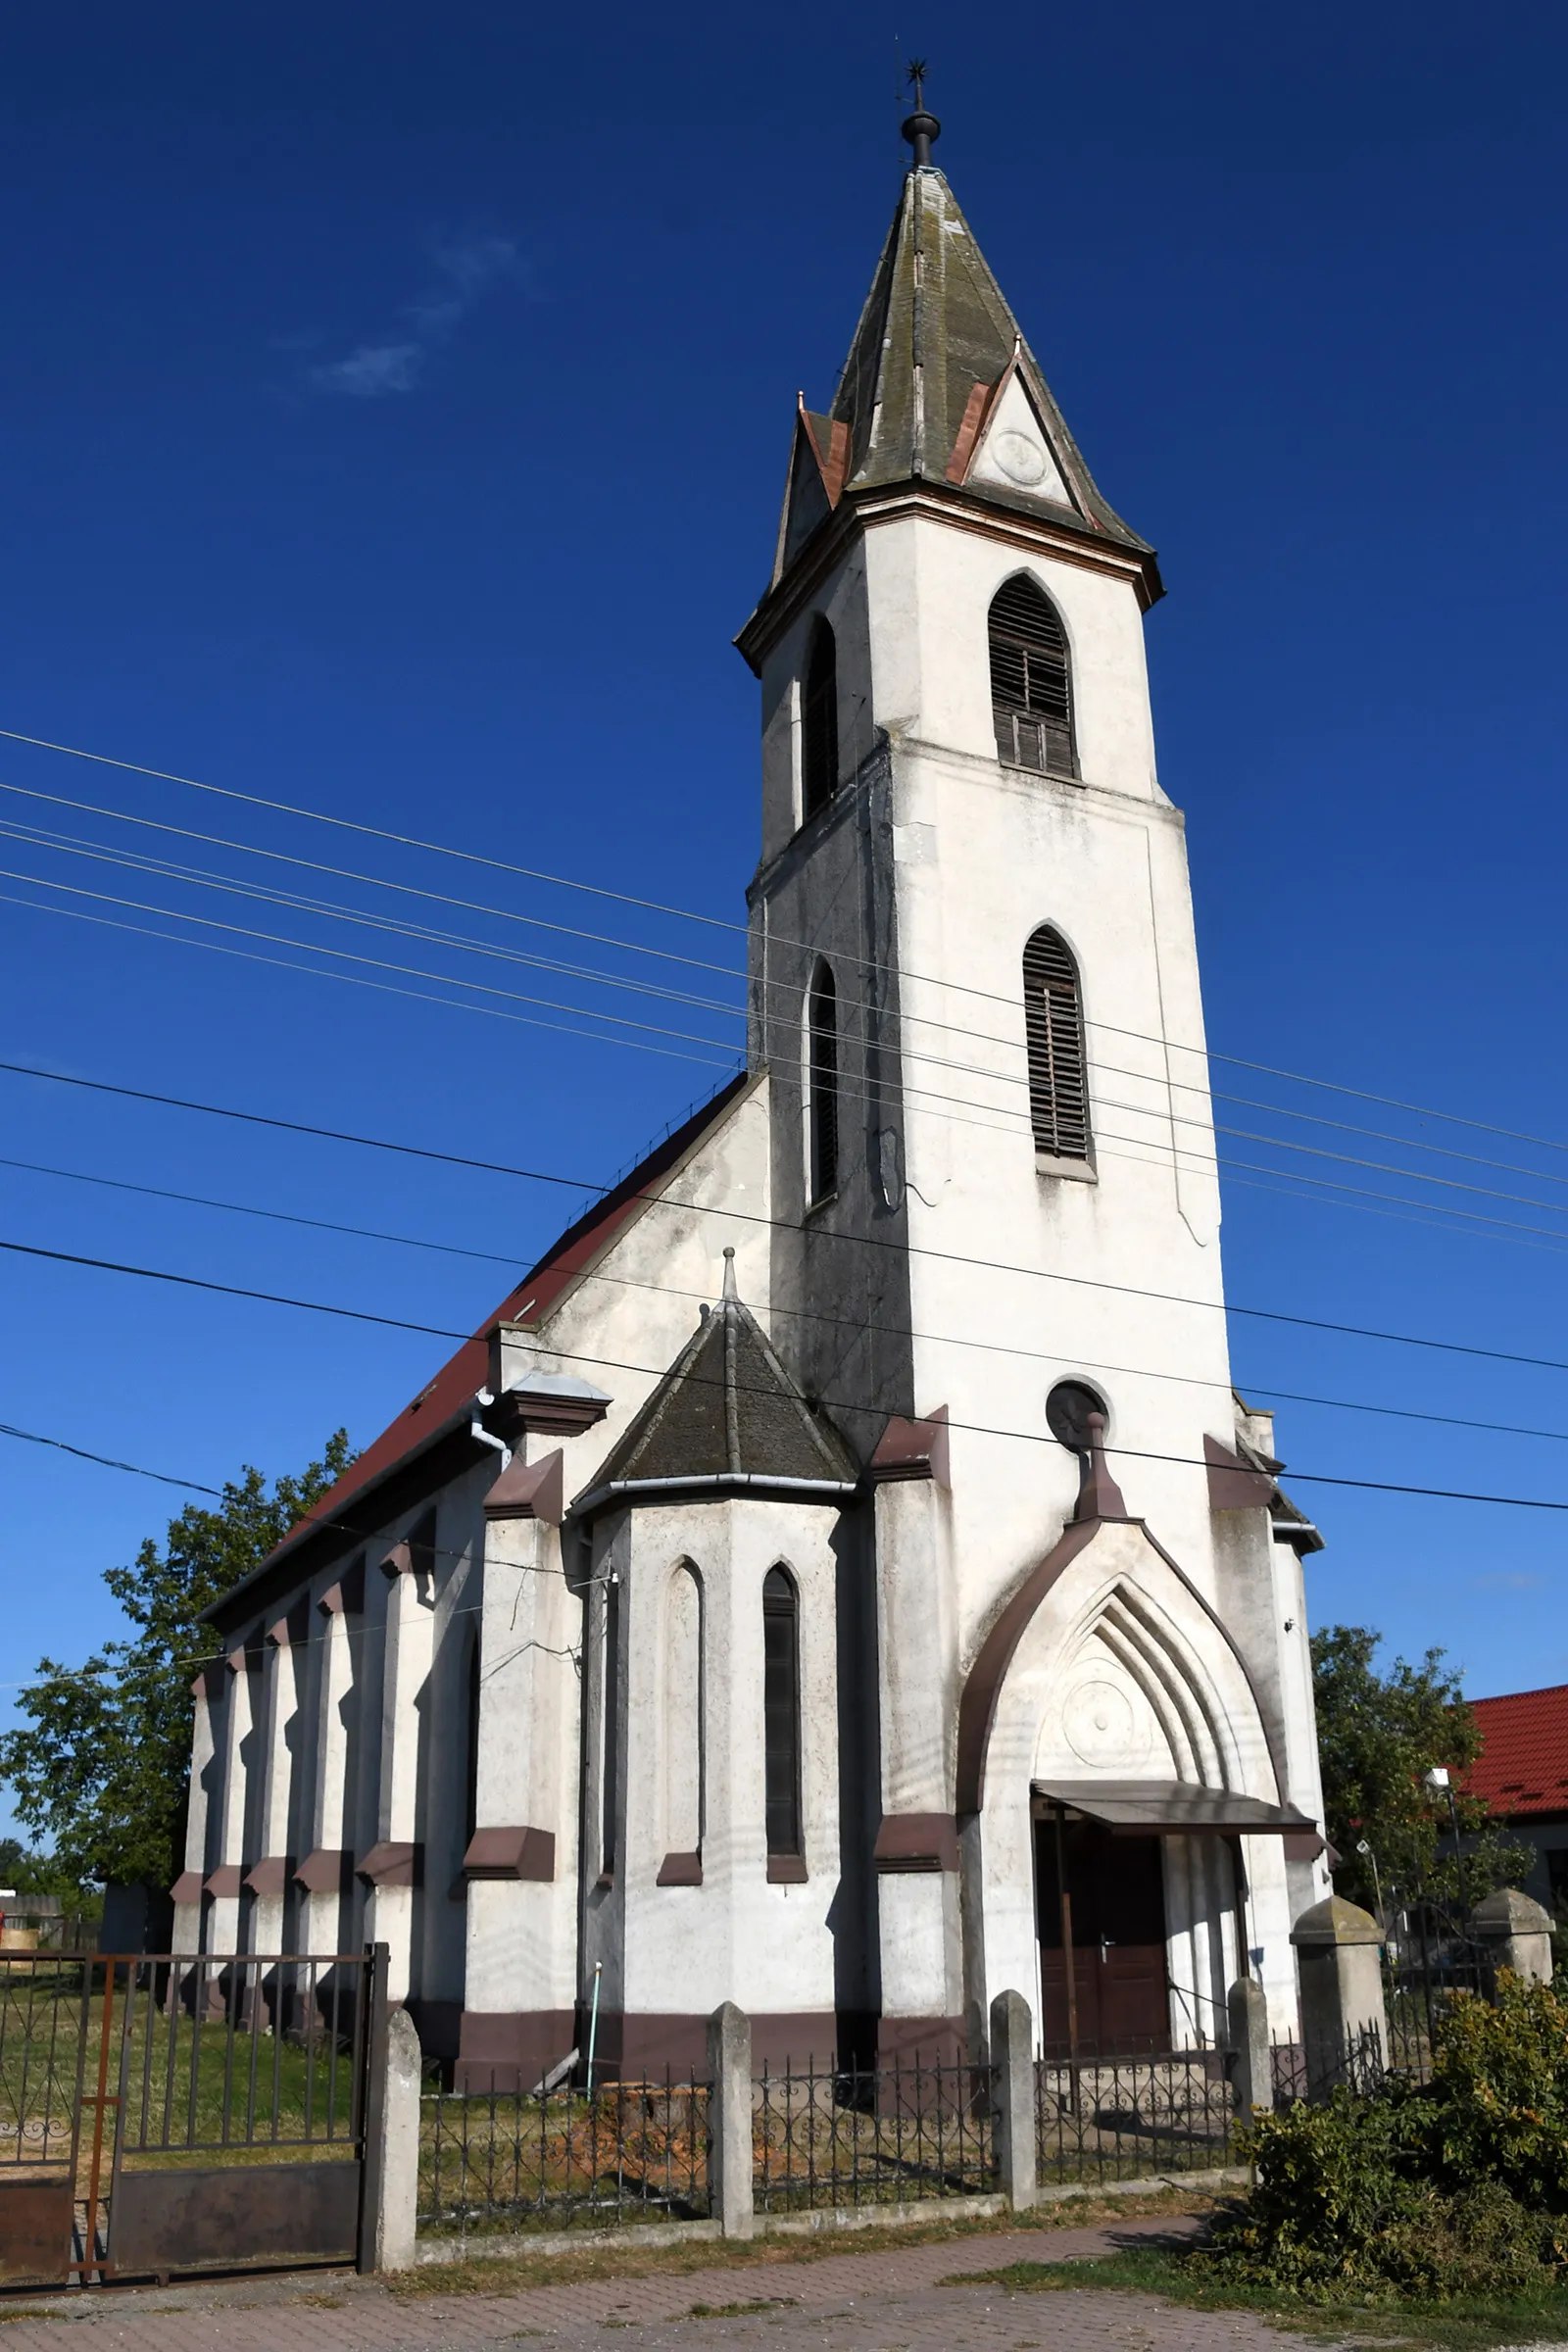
(886, 2301)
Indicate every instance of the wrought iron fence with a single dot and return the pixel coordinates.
(853, 2137)
(1316, 2068)
(1124, 2115)
(45, 2012)
(1427, 1957)
(508, 2159)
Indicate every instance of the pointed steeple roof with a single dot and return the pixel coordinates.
(728, 1411)
(940, 387)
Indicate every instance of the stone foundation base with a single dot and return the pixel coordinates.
(514, 2049)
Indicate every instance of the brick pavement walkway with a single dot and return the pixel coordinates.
(884, 2301)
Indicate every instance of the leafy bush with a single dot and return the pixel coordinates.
(1457, 2186)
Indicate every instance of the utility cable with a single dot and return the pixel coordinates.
(1374, 1486)
(1164, 1115)
(782, 1224)
(386, 988)
(955, 1105)
(41, 837)
(1153, 1152)
(719, 923)
(788, 1314)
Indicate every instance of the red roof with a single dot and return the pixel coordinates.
(526, 1302)
(1523, 1768)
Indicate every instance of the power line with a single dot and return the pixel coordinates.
(783, 1224)
(789, 1314)
(384, 988)
(171, 869)
(349, 873)
(334, 1135)
(197, 876)
(658, 1371)
(1375, 1486)
(345, 956)
(719, 923)
(30, 1437)
(45, 837)
(275, 1216)
(1166, 1115)
(230, 1289)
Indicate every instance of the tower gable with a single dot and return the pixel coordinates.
(1005, 444)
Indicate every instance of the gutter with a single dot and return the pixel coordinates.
(707, 1482)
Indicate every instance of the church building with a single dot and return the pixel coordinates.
(840, 1577)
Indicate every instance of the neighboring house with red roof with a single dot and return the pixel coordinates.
(1522, 1772)
(841, 1570)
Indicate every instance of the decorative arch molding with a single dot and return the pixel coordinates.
(1109, 1589)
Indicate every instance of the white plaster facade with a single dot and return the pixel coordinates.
(508, 1700)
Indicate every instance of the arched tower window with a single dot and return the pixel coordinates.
(822, 1082)
(819, 722)
(781, 1711)
(1058, 1078)
(1031, 681)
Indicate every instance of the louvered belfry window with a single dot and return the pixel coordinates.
(1031, 681)
(1058, 1079)
(781, 1711)
(819, 722)
(822, 1081)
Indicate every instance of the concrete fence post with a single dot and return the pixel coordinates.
(1012, 2060)
(1251, 2058)
(1516, 1933)
(729, 2120)
(392, 2146)
(1339, 1963)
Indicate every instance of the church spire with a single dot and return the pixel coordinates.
(940, 386)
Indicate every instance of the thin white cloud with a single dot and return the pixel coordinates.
(372, 370)
(1503, 1580)
(466, 270)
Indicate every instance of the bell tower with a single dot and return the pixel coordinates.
(975, 988)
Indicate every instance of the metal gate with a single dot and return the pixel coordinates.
(169, 2113)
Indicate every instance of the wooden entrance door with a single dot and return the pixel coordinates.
(1116, 1886)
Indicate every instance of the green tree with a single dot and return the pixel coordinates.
(37, 1874)
(1378, 1734)
(101, 1768)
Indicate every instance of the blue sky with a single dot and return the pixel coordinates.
(394, 405)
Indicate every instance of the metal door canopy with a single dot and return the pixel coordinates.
(1166, 1808)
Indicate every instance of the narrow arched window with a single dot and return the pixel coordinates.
(683, 1712)
(1031, 681)
(819, 722)
(822, 1083)
(1058, 1078)
(781, 1711)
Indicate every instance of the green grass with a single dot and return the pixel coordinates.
(1462, 2326)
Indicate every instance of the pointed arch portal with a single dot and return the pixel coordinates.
(1113, 1754)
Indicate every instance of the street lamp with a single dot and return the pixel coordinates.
(1440, 1783)
(1363, 1845)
